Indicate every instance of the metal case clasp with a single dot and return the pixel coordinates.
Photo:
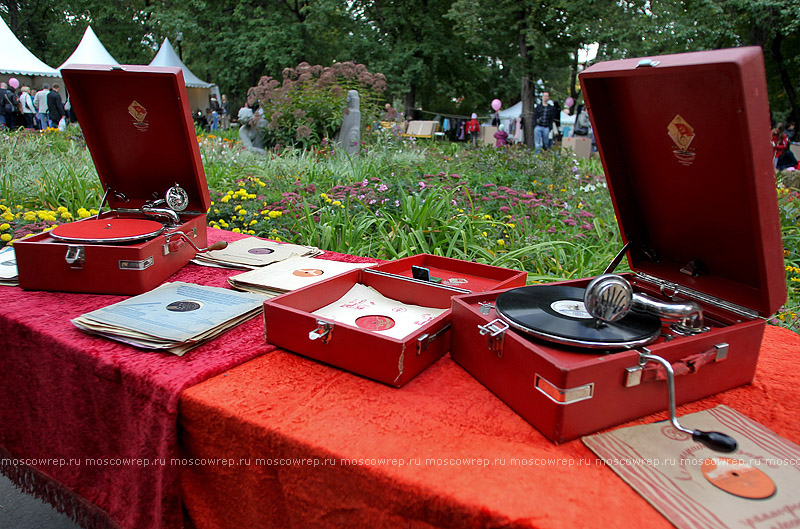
(75, 257)
(496, 329)
(323, 331)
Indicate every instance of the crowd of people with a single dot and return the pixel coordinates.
(21, 107)
(216, 116)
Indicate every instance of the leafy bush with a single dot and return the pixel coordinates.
(307, 109)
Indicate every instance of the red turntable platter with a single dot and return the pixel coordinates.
(105, 231)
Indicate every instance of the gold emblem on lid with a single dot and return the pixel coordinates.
(136, 110)
(682, 134)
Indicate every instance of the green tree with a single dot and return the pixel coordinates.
(529, 37)
(234, 43)
(425, 61)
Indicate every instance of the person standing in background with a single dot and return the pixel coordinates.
(225, 112)
(26, 105)
(472, 128)
(567, 118)
(501, 136)
(8, 107)
(55, 106)
(40, 104)
(543, 117)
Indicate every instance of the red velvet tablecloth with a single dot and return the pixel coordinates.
(282, 441)
(90, 424)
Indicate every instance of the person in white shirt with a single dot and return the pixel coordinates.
(40, 104)
(26, 103)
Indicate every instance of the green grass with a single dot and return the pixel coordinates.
(549, 215)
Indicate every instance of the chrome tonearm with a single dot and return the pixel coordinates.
(610, 297)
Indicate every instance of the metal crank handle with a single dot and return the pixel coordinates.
(219, 245)
(714, 440)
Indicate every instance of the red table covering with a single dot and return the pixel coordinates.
(67, 398)
(282, 441)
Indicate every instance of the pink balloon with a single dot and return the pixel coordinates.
(496, 104)
(569, 102)
(13, 83)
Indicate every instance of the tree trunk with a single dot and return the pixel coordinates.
(12, 8)
(573, 77)
(777, 54)
(526, 92)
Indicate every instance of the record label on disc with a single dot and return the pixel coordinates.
(376, 322)
(308, 272)
(571, 309)
(738, 478)
(557, 313)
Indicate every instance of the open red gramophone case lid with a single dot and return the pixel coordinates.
(685, 145)
(139, 131)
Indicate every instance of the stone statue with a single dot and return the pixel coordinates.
(250, 130)
(349, 136)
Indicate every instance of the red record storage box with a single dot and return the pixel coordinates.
(684, 141)
(138, 128)
(290, 324)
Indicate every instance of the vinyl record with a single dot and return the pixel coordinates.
(556, 313)
(107, 230)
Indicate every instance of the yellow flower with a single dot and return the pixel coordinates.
(487, 217)
(61, 209)
(225, 199)
(5, 237)
(7, 216)
(4, 226)
(336, 203)
(323, 196)
(501, 242)
(511, 225)
(252, 222)
(251, 232)
(83, 213)
(275, 214)
(484, 234)
(236, 230)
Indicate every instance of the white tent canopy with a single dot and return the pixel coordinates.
(16, 60)
(166, 56)
(512, 112)
(198, 90)
(90, 51)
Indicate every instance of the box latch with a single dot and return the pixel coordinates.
(496, 331)
(323, 331)
(425, 339)
(75, 257)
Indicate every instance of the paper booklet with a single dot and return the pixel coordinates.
(756, 487)
(175, 317)
(290, 274)
(8, 267)
(252, 252)
(366, 308)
